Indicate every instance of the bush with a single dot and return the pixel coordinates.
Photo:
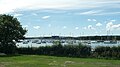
(59, 50)
(107, 52)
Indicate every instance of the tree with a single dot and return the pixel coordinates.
(10, 32)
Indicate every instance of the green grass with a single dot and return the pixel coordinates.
(51, 61)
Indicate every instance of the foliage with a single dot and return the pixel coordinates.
(10, 32)
(74, 51)
(107, 52)
(59, 50)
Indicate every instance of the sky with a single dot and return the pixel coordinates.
(65, 17)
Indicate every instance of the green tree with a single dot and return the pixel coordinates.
(10, 32)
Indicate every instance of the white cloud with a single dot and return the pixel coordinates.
(76, 28)
(99, 12)
(112, 20)
(7, 6)
(94, 19)
(98, 24)
(92, 12)
(89, 19)
(36, 27)
(45, 17)
(111, 26)
(108, 13)
(116, 26)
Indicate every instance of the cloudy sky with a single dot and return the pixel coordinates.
(65, 17)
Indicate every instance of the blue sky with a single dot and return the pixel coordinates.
(65, 17)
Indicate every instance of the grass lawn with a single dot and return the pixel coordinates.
(51, 61)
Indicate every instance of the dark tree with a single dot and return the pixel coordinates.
(10, 32)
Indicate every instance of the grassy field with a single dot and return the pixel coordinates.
(51, 61)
